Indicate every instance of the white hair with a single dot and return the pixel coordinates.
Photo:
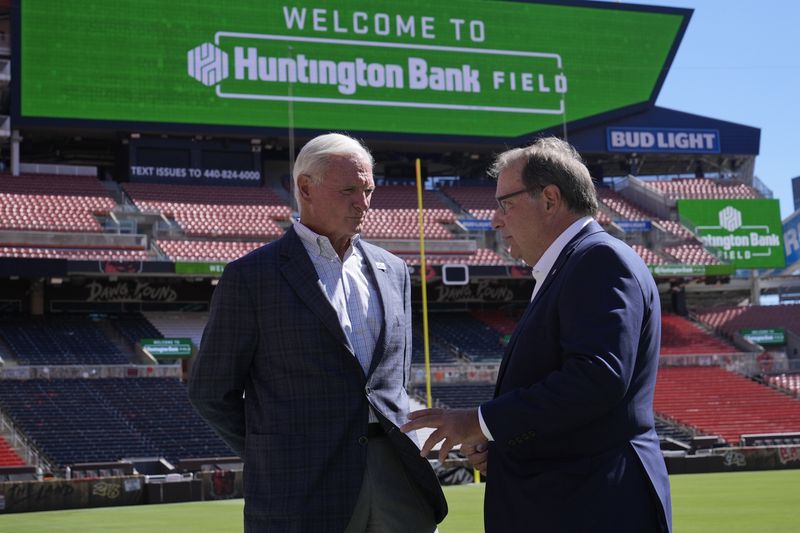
(312, 161)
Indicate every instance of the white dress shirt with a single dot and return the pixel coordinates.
(548, 259)
(346, 283)
(540, 271)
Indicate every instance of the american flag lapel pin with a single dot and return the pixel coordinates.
(380, 265)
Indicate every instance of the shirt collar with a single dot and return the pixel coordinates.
(320, 245)
(548, 259)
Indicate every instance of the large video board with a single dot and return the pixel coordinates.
(479, 68)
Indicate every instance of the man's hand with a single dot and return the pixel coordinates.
(476, 453)
(453, 426)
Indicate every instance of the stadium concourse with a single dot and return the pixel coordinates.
(132, 171)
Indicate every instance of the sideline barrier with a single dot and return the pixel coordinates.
(735, 459)
(456, 470)
(55, 494)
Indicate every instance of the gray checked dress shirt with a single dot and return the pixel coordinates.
(346, 283)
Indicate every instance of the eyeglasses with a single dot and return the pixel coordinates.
(501, 199)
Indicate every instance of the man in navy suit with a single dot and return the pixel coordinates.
(568, 442)
(304, 362)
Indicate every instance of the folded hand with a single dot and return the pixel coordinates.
(476, 453)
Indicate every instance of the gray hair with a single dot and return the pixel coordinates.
(312, 160)
(549, 160)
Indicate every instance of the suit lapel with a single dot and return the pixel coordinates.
(510, 348)
(383, 284)
(589, 229)
(300, 274)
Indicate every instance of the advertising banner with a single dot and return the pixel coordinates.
(764, 335)
(474, 67)
(490, 291)
(167, 348)
(476, 224)
(95, 291)
(744, 233)
(194, 162)
(680, 269)
(54, 494)
(644, 140)
(203, 268)
(634, 226)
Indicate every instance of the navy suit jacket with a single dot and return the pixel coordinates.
(301, 425)
(575, 447)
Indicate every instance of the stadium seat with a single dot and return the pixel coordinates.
(100, 420)
(719, 402)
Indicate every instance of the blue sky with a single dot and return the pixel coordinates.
(740, 61)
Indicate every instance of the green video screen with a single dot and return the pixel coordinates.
(476, 67)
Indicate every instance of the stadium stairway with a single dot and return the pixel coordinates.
(116, 338)
(176, 325)
(9, 456)
(681, 336)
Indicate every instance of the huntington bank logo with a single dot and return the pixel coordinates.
(730, 218)
(379, 73)
(207, 64)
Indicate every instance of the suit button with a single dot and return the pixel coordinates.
(362, 440)
(369, 390)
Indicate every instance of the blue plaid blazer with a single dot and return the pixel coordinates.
(276, 377)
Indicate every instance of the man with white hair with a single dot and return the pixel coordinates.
(303, 365)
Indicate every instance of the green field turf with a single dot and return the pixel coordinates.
(731, 503)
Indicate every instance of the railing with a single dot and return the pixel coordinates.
(90, 371)
(743, 363)
(747, 364)
(115, 225)
(456, 373)
(51, 170)
(639, 193)
(786, 366)
(74, 239)
(22, 445)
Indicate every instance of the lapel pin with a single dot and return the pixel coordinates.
(380, 266)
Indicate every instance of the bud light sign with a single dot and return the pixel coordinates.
(694, 141)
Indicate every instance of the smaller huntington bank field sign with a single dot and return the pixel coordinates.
(764, 336)
(744, 233)
(167, 348)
